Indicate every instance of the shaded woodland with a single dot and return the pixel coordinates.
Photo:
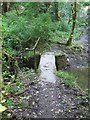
(28, 31)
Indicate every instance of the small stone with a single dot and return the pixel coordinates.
(27, 115)
(44, 89)
(57, 105)
(9, 114)
(52, 110)
(69, 111)
(52, 96)
(59, 96)
(39, 113)
(73, 107)
(37, 92)
(56, 112)
(35, 116)
(33, 103)
(46, 95)
(34, 113)
(20, 110)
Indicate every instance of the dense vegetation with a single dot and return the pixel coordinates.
(23, 24)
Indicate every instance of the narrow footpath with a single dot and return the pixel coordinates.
(55, 100)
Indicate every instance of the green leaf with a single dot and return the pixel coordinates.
(2, 101)
(9, 103)
(2, 108)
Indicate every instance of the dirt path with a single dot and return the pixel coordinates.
(55, 100)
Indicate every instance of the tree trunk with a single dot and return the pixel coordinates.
(69, 42)
(70, 14)
(56, 10)
(1, 78)
(47, 4)
(4, 7)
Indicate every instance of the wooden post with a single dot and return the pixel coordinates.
(34, 50)
(35, 66)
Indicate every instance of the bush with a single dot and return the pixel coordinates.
(64, 26)
(20, 27)
(40, 27)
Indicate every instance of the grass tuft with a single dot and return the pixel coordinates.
(68, 78)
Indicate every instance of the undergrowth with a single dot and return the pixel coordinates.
(68, 78)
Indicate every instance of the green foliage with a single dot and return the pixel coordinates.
(17, 25)
(2, 108)
(8, 103)
(18, 31)
(59, 36)
(6, 75)
(10, 88)
(25, 22)
(19, 84)
(28, 73)
(85, 96)
(40, 27)
(60, 31)
(68, 78)
(86, 3)
(63, 26)
(21, 29)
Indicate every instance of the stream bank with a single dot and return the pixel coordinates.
(78, 58)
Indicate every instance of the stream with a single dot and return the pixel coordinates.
(82, 75)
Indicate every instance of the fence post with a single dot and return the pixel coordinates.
(34, 50)
(35, 65)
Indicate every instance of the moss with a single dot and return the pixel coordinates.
(76, 47)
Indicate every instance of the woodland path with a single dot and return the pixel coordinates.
(55, 101)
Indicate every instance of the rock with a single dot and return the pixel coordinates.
(32, 83)
(9, 115)
(61, 61)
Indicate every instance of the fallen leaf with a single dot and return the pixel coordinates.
(2, 108)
